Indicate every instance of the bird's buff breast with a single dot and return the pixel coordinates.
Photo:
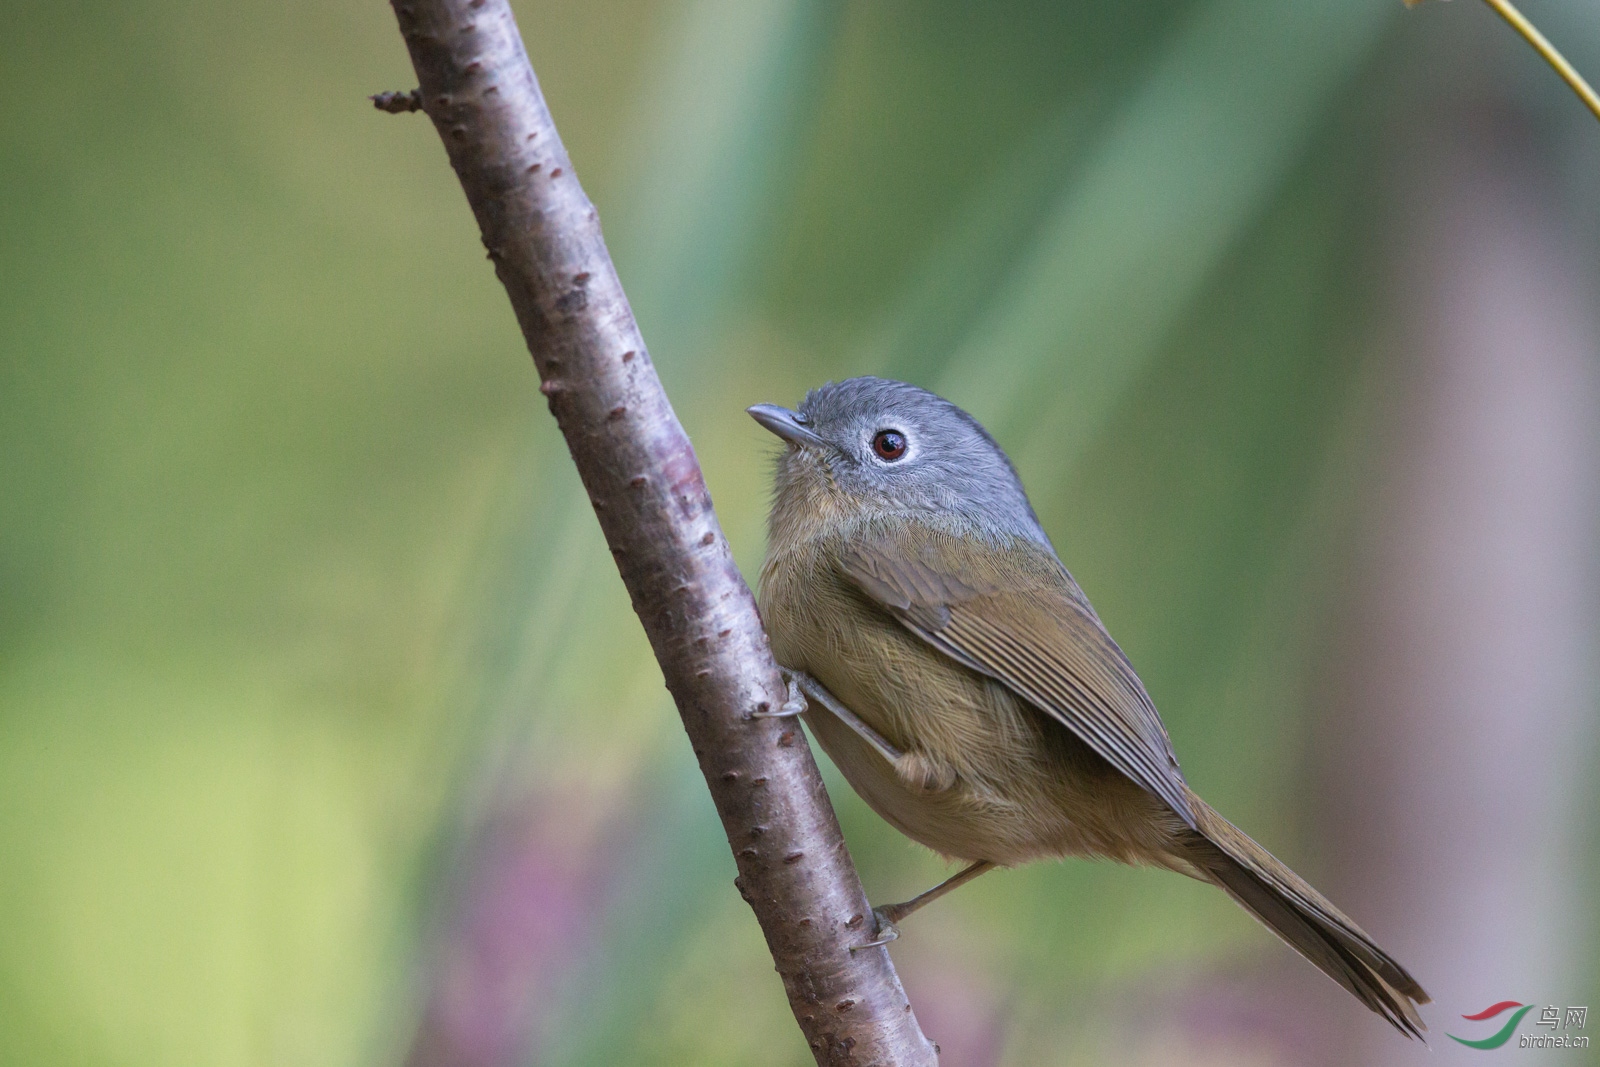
(1023, 787)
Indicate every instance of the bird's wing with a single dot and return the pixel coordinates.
(1018, 617)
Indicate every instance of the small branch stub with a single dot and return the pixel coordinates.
(397, 103)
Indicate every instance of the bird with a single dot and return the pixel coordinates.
(951, 667)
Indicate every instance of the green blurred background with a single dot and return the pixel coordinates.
(327, 735)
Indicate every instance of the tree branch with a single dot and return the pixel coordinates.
(646, 487)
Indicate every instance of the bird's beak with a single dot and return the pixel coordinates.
(789, 425)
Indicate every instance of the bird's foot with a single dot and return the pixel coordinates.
(884, 931)
(794, 705)
(886, 916)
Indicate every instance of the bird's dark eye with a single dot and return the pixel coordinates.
(889, 444)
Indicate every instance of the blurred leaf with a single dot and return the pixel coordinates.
(1184, 165)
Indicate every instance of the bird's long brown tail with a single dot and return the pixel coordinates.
(1288, 906)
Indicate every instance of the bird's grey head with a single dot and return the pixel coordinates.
(866, 448)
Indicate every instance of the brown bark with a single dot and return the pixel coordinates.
(646, 487)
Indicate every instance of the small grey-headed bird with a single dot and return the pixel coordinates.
(965, 687)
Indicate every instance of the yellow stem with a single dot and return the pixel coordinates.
(1531, 34)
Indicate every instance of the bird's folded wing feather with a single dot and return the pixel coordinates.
(1020, 619)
